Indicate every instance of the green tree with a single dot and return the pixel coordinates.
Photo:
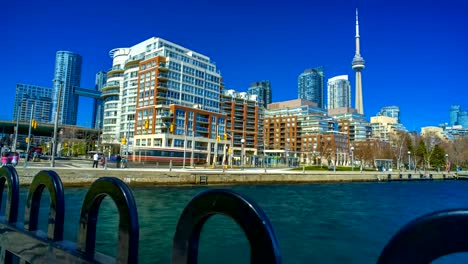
(420, 152)
(438, 157)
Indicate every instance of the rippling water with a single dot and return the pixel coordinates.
(314, 223)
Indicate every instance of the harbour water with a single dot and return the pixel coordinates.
(314, 223)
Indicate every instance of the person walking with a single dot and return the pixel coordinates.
(14, 159)
(95, 160)
(4, 159)
(118, 159)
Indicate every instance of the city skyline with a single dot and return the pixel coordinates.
(411, 58)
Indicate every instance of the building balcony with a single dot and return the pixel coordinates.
(202, 120)
(161, 85)
(130, 63)
(167, 115)
(162, 76)
(112, 84)
(161, 95)
(110, 91)
(162, 66)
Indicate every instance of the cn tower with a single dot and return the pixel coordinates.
(358, 66)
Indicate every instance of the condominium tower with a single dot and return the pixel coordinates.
(339, 92)
(262, 90)
(98, 107)
(157, 92)
(35, 99)
(458, 117)
(67, 77)
(390, 111)
(310, 85)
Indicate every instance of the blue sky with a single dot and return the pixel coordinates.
(415, 50)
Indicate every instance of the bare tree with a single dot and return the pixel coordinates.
(430, 140)
(398, 141)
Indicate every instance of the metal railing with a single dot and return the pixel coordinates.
(421, 241)
(21, 241)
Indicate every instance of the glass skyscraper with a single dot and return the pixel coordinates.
(68, 74)
(390, 111)
(310, 85)
(263, 91)
(98, 107)
(339, 92)
(458, 117)
(29, 96)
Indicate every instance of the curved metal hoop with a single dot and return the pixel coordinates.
(51, 180)
(428, 238)
(250, 217)
(8, 174)
(128, 224)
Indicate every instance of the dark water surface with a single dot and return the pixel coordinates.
(314, 223)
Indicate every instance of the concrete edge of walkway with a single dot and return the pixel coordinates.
(150, 177)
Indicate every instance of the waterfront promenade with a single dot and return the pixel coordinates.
(80, 173)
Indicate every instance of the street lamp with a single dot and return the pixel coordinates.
(352, 158)
(409, 160)
(57, 113)
(242, 153)
(447, 165)
(17, 127)
(315, 155)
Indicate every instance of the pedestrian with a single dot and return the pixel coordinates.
(118, 159)
(102, 161)
(95, 160)
(4, 159)
(14, 160)
(124, 162)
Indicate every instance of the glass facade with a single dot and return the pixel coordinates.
(310, 85)
(98, 106)
(339, 92)
(68, 74)
(29, 96)
(458, 117)
(262, 90)
(390, 111)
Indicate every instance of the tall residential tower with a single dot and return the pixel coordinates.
(358, 65)
(310, 85)
(262, 90)
(339, 92)
(68, 76)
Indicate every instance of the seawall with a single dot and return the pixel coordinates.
(85, 176)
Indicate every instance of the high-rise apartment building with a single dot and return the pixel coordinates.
(292, 130)
(458, 117)
(32, 98)
(98, 106)
(390, 111)
(339, 92)
(67, 75)
(310, 85)
(244, 124)
(156, 90)
(262, 90)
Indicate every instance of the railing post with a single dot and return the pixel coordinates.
(250, 217)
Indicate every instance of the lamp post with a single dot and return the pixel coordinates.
(57, 113)
(17, 127)
(447, 164)
(315, 155)
(352, 158)
(409, 160)
(242, 153)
